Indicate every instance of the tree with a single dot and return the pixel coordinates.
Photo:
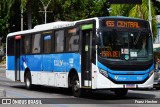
(65, 10)
(29, 13)
(137, 11)
(3, 19)
(82, 9)
(156, 4)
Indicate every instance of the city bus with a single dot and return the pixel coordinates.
(100, 53)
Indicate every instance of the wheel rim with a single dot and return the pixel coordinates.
(76, 86)
(27, 82)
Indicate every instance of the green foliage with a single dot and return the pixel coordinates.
(80, 9)
(66, 10)
(137, 11)
(4, 26)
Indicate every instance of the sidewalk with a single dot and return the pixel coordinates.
(2, 65)
(2, 70)
(2, 74)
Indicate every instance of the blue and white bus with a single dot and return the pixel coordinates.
(97, 53)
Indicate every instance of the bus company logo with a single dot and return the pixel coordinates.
(139, 78)
(58, 62)
(71, 60)
(116, 77)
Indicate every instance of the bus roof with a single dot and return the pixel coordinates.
(61, 24)
(47, 26)
(120, 17)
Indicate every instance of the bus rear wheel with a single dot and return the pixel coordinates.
(28, 82)
(120, 92)
(77, 91)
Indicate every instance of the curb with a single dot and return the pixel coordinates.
(2, 93)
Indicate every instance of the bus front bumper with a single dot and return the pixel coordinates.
(101, 82)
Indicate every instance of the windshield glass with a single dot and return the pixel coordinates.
(125, 45)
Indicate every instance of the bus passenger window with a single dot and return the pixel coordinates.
(47, 43)
(27, 44)
(59, 41)
(36, 46)
(10, 46)
(72, 40)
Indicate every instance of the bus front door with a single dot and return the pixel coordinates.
(86, 54)
(17, 57)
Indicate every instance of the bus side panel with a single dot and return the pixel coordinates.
(47, 70)
(62, 64)
(52, 69)
(22, 67)
(47, 63)
(34, 62)
(65, 62)
(11, 63)
(10, 70)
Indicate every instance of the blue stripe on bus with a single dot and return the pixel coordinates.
(125, 75)
(100, 65)
(10, 63)
(49, 63)
(122, 78)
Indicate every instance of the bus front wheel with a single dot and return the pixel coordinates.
(28, 82)
(77, 91)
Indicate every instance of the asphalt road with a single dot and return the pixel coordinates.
(58, 97)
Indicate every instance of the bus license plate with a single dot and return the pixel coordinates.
(130, 85)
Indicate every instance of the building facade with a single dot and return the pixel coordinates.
(157, 40)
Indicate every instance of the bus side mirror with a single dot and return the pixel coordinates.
(96, 39)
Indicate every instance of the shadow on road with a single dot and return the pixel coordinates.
(93, 95)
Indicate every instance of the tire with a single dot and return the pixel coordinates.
(76, 90)
(157, 88)
(120, 92)
(28, 81)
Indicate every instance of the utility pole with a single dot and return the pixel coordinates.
(29, 14)
(45, 10)
(150, 14)
(21, 18)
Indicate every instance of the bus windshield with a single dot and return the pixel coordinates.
(125, 45)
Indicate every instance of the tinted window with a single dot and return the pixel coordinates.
(47, 43)
(59, 41)
(10, 46)
(36, 46)
(27, 44)
(72, 40)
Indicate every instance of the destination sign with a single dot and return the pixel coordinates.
(111, 54)
(123, 24)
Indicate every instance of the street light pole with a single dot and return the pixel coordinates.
(21, 18)
(150, 14)
(45, 10)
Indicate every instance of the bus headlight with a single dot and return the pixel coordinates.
(103, 72)
(151, 73)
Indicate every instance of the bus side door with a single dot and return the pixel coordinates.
(17, 53)
(87, 34)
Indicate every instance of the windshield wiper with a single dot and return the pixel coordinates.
(137, 38)
(115, 31)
